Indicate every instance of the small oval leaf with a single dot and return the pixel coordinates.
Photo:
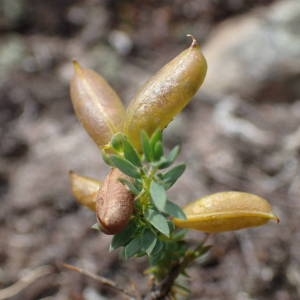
(172, 175)
(158, 195)
(125, 166)
(134, 247)
(174, 210)
(117, 142)
(131, 155)
(158, 221)
(122, 238)
(149, 240)
(146, 147)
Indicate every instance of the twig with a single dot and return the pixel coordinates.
(25, 281)
(162, 290)
(158, 292)
(102, 280)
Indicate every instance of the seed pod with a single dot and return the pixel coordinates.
(96, 105)
(84, 189)
(165, 94)
(114, 203)
(226, 211)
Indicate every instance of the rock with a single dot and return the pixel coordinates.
(256, 55)
(121, 41)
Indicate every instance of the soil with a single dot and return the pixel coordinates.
(43, 227)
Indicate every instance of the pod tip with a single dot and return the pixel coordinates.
(72, 178)
(274, 217)
(71, 173)
(76, 65)
(194, 41)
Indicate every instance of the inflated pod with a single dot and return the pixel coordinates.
(165, 94)
(84, 189)
(226, 211)
(114, 203)
(96, 105)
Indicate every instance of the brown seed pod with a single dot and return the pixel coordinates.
(96, 105)
(165, 94)
(226, 211)
(114, 203)
(84, 189)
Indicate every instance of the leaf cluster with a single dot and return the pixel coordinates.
(150, 231)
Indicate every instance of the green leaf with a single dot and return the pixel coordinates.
(174, 210)
(172, 175)
(171, 226)
(158, 151)
(146, 146)
(106, 158)
(148, 241)
(131, 154)
(122, 238)
(156, 252)
(158, 247)
(173, 154)
(134, 247)
(162, 163)
(158, 221)
(158, 195)
(165, 162)
(125, 166)
(117, 142)
(132, 187)
(156, 137)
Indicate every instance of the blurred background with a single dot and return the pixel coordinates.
(240, 132)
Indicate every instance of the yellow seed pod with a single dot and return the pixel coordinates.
(226, 211)
(96, 105)
(165, 94)
(84, 189)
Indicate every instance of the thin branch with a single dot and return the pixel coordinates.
(105, 281)
(25, 281)
(162, 291)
